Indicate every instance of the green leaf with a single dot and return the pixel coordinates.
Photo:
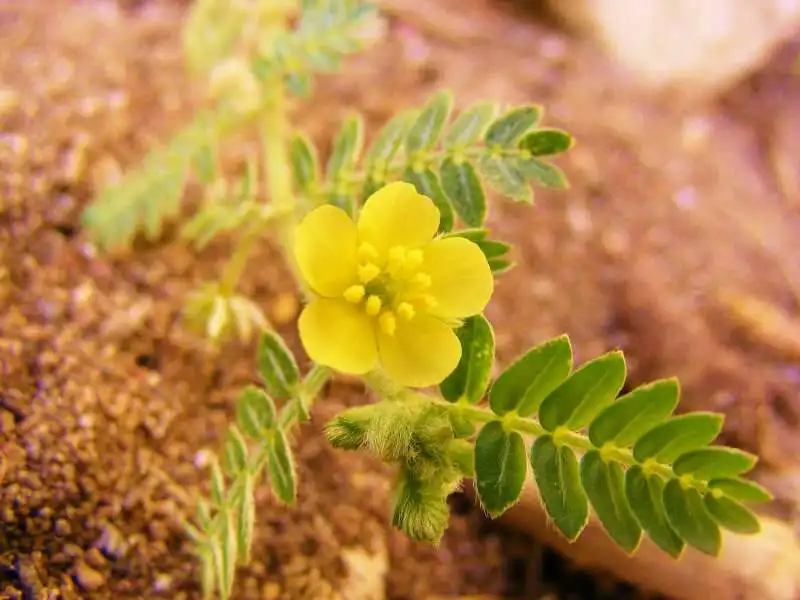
(464, 189)
(205, 165)
(585, 393)
(500, 265)
(427, 184)
(634, 414)
(234, 457)
(605, 487)
(246, 519)
(742, 490)
(502, 175)
(470, 125)
(510, 127)
(471, 377)
(558, 479)
(546, 142)
(277, 366)
(542, 173)
(229, 553)
(679, 435)
(346, 147)
(732, 515)
(476, 235)
(688, 516)
(645, 495)
(208, 574)
(714, 462)
(255, 412)
(427, 128)
(390, 139)
(494, 248)
(531, 378)
(217, 483)
(305, 163)
(280, 467)
(500, 467)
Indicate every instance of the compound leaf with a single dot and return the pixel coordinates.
(646, 498)
(347, 147)
(502, 175)
(255, 412)
(390, 138)
(471, 377)
(276, 365)
(427, 183)
(689, 517)
(558, 479)
(604, 483)
(511, 126)
(714, 462)
(742, 490)
(427, 128)
(280, 467)
(470, 125)
(234, 457)
(546, 142)
(585, 393)
(462, 186)
(305, 163)
(634, 414)
(679, 435)
(500, 467)
(542, 173)
(531, 378)
(732, 515)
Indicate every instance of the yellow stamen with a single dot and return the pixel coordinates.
(387, 322)
(354, 294)
(367, 272)
(397, 254)
(422, 281)
(373, 305)
(429, 301)
(405, 311)
(367, 252)
(413, 259)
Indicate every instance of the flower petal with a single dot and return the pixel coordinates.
(339, 335)
(422, 352)
(461, 279)
(326, 247)
(397, 215)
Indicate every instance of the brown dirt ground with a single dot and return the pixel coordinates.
(107, 403)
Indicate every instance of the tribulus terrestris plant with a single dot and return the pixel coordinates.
(389, 248)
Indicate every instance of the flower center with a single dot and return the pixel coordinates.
(395, 291)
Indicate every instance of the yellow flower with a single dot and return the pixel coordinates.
(387, 291)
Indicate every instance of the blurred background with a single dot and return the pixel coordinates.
(677, 242)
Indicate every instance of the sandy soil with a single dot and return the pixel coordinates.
(676, 219)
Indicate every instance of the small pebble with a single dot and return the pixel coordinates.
(87, 578)
(62, 528)
(112, 543)
(95, 559)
